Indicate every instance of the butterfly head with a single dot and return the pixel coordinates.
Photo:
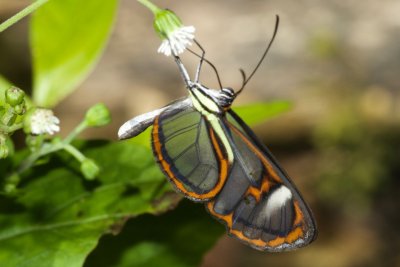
(225, 97)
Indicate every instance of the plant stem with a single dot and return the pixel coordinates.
(78, 129)
(74, 152)
(48, 148)
(20, 15)
(150, 6)
(44, 150)
(12, 128)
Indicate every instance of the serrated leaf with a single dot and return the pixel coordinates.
(179, 238)
(67, 38)
(59, 216)
(256, 113)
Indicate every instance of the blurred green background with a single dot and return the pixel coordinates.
(337, 62)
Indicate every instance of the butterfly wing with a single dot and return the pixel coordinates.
(259, 204)
(139, 124)
(189, 153)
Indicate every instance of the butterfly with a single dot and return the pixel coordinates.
(211, 156)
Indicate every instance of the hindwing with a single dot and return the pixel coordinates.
(258, 203)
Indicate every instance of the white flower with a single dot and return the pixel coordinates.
(177, 41)
(43, 121)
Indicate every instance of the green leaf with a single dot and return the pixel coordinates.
(143, 139)
(179, 238)
(59, 216)
(254, 114)
(67, 38)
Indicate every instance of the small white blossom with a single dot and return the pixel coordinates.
(43, 121)
(177, 41)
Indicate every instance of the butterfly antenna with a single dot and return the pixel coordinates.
(245, 81)
(243, 76)
(208, 62)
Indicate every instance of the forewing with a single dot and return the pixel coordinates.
(189, 153)
(258, 203)
(138, 124)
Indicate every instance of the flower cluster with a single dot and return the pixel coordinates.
(177, 41)
(39, 125)
(43, 121)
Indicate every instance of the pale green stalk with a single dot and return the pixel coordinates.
(74, 152)
(12, 128)
(48, 148)
(149, 5)
(23, 13)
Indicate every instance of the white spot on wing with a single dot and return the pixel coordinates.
(278, 198)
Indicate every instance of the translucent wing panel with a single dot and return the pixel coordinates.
(233, 191)
(188, 154)
(248, 160)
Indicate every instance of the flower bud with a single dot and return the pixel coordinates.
(165, 22)
(14, 96)
(20, 108)
(98, 115)
(89, 169)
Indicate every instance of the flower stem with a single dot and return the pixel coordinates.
(48, 148)
(12, 128)
(20, 15)
(74, 152)
(78, 129)
(153, 8)
(44, 150)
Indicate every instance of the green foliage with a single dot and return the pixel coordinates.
(177, 239)
(258, 112)
(67, 38)
(58, 217)
(356, 160)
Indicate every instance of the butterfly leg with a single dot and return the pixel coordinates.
(203, 53)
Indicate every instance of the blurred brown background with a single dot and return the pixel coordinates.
(337, 61)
